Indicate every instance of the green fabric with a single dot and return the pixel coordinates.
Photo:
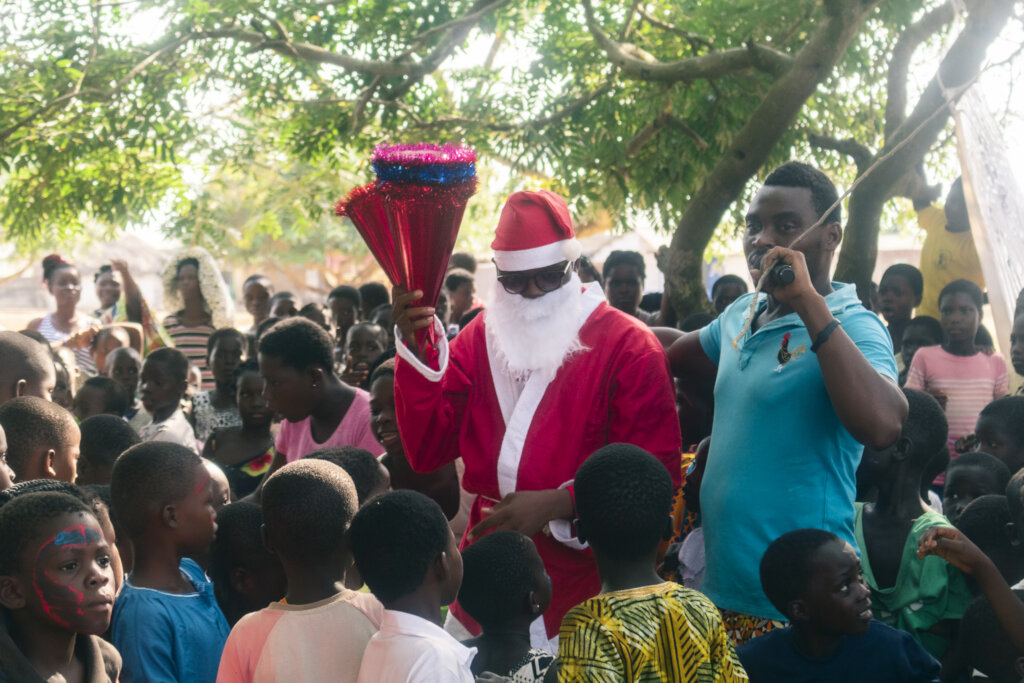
(926, 592)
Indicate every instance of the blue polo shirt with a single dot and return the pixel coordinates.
(169, 637)
(780, 459)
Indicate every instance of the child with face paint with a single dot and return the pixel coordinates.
(57, 587)
(166, 624)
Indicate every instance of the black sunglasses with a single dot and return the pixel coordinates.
(546, 280)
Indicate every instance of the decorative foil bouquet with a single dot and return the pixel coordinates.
(410, 216)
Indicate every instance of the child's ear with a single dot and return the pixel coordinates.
(532, 603)
(577, 526)
(442, 566)
(169, 516)
(901, 449)
(51, 473)
(19, 388)
(670, 529)
(1013, 534)
(12, 595)
(316, 375)
(798, 610)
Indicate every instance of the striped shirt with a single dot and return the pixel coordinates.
(969, 383)
(192, 342)
(57, 337)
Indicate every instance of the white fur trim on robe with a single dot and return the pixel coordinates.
(442, 352)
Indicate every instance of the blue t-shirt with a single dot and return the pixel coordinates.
(780, 459)
(880, 655)
(169, 637)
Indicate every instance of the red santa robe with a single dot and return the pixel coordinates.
(535, 436)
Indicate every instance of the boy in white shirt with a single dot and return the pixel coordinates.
(407, 555)
(164, 381)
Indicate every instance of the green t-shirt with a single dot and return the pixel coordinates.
(926, 591)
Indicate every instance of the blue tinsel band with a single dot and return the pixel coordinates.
(442, 174)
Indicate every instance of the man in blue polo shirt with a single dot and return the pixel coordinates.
(810, 382)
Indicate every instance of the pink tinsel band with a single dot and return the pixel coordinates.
(423, 153)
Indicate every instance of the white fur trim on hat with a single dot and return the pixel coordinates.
(538, 257)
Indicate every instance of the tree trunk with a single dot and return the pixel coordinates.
(960, 65)
(752, 146)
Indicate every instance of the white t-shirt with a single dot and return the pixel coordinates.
(410, 649)
(174, 429)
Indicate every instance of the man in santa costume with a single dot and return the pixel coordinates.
(527, 391)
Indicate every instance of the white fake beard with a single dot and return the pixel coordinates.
(536, 335)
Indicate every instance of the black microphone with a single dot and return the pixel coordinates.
(781, 274)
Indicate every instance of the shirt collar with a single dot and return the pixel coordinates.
(842, 297)
(395, 622)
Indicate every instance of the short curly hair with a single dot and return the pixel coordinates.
(31, 423)
(497, 578)
(22, 518)
(22, 357)
(172, 359)
(787, 565)
(926, 427)
(115, 397)
(929, 325)
(299, 343)
(986, 462)
(913, 276)
(394, 539)
(346, 292)
(374, 294)
(358, 463)
(623, 500)
(105, 438)
(147, 477)
(621, 257)
(823, 190)
(1008, 411)
(224, 333)
(967, 287)
(307, 507)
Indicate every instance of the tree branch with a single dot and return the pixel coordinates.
(308, 52)
(860, 154)
(627, 26)
(569, 108)
(688, 36)
(454, 36)
(899, 64)
(711, 65)
(75, 92)
(663, 120)
(475, 14)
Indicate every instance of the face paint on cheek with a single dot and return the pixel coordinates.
(76, 535)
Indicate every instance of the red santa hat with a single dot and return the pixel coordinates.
(534, 231)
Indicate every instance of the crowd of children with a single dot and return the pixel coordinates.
(302, 546)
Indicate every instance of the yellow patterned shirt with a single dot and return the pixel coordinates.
(651, 634)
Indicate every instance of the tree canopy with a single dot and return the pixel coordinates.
(118, 110)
